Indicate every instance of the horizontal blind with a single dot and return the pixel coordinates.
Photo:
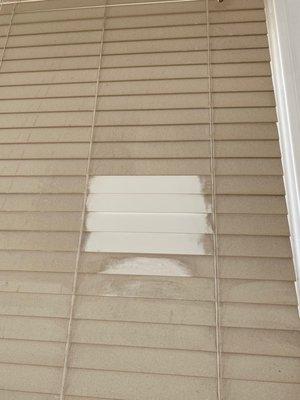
(142, 326)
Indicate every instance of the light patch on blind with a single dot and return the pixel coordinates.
(147, 266)
(149, 214)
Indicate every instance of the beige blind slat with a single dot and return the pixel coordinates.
(143, 325)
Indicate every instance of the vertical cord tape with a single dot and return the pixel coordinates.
(74, 286)
(214, 211)
(8, 30)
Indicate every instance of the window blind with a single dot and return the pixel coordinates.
(91, 89)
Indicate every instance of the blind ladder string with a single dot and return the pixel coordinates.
(87, 176)
(214, 211)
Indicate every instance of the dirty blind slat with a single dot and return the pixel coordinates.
(38, 249)
(143, 326)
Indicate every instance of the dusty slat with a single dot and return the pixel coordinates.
(31, 352)
(40, 261)
(237, 5)
(148, 9)
(244, 131)
(172, 387)
(261, 341)
(260, 316)
(150, 166)
(248, 166)
(148, 33)
(34, 305)
(144, 335)
(154, 101)
(160, 8)
(43, 77)
(30, 378)
(266, 292)
(89, 36)
(247, 148)
(53, 27)
(179, 71)
(21, 395)
(181, 265)
(238, 28)
(104, 134)
(244, 99)
(245, 69)
(47, 119)
(52, 51)
(152, 87)
(53, 150)
(58, 15)
(262, 368)
(57, 241)
(45, 167)
(40, 202)
(53, 184)
(237, 131)
(237, 16)
(35, 282)
(33, 328)
(237, 56)
(145, 310)
(41, 91)
(242, 84)
(257, 268)
(160, 117)
(259, 246)
(48, 135)
(147, 287)
(232, 204)
(244, 390)
(48, 105)
(269, 225)
(152, 150)
(270, 185)
(146, 265)
(200, 57)
(78, 167)
(154, 46)
(54, 4)
(172, 362)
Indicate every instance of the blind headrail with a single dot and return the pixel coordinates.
(100, 5)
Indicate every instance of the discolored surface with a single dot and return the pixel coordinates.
(112, 120)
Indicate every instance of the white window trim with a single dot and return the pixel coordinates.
(288, 110)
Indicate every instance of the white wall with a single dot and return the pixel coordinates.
(283, 18)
